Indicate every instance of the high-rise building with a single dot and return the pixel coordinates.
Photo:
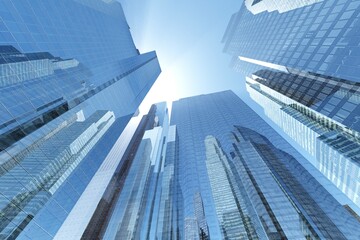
(258, 6)
(134, 213)
(142, 201)
(200, 217)
(304, 76)
(71, 78)
(191, 229)
(318, 38)
(170, 221)
(279, 186)
(331, 139)
(100, 219)
(250, 188)
(228, 214)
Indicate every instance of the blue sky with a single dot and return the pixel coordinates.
(187, 37)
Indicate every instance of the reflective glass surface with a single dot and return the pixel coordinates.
(301, 67)
(320, 37)
(279, 180)
(273, 182)
(70, 76)
(144, 199)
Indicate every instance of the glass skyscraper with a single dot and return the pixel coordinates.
(143, 202)
(226, 207)
(318, 38)
(136, 209)
(258, 6)
(71, 78)
(301, 68)
(200, 216)
(253, 183)
(275, 183)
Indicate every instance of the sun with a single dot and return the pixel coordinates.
(164, 90)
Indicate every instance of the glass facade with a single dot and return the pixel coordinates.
(301, 68)
(100, 218)
(258, 6)
(191, 229)
(228, 215)
(289, 202)
(319, 38)
(170, 218)
(143, 201)
(250, 189)
(333, 146)
(200, 216)
(70, 80)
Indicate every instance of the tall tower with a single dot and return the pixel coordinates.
(143, 200)
(67, 92)
(191, 228)
(271, 178)
(329, 137)
(244, 178)
(227, 210)
(258, 6)
(303, 75)
(318, 38)
(200, 217)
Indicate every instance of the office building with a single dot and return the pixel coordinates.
(322, 127)
(250, 188)
(142, 201)
(50, 163)
(304, 76)
(170, 218)
(100, 219)
(191, 228)
(133, 212)
(71, 79)
(273, 178)
(227, 211)
(318, 38)
(258, 6)
(200, 217)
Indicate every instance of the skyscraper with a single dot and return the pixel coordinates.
(227, 211)
(200, 217)
(318, 38)
(100, 219)
(170, 218)
(258, 6)
(303, 74)
(71, 79)
(134, 208)
(332, 145)
(142, 200)
(249, 187)
(191, 229)
(273, 178)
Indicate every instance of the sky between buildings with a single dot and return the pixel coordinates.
(186, 35)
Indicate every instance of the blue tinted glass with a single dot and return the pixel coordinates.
(70, 76)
